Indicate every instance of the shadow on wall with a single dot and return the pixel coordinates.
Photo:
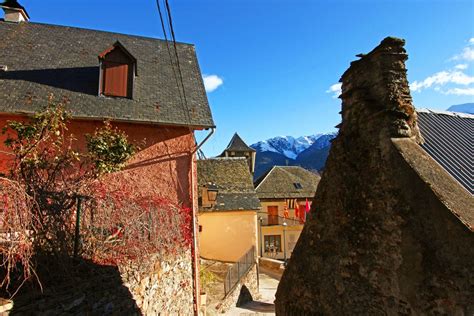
(80, 79)
(74, 287)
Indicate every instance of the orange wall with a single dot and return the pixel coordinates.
(160, 168)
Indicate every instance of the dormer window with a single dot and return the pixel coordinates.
(117, 72)
(298, 185)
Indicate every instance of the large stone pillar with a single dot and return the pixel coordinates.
(370, 246)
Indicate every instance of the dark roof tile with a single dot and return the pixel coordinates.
(44, 59)
(237, 144)
(287, 182)
(233, 180)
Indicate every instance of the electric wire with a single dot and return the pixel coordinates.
(179, 81)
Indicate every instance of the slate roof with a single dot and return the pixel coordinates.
(449, 140)
(279, 183)
(44, 59)
(233, 180)
(237, 144)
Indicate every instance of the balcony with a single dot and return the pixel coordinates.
(274, 220)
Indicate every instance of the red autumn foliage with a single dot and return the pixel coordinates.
(118, 226)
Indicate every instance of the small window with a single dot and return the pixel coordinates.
(272, 243)
(117, 72)
(298, 185)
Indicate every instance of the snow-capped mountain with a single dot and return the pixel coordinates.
(463, 108)
(288, 146)
(309, 152)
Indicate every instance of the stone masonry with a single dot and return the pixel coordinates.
(158, 285)
(250, 281)
(380, 240)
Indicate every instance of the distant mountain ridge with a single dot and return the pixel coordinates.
(463, 108)
(288, 146)
(309, 152)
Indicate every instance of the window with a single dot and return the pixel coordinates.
(272, 243)
(117, 72)
(298, 185)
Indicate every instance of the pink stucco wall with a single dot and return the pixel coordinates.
(161, 168)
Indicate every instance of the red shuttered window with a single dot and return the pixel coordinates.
(115, 79)
(118, 67)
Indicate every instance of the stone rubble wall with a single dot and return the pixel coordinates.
(274, 266)
(378, 241)
(161, 286)
(250, 281)
(150, 287)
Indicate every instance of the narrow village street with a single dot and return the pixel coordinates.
(265, 304)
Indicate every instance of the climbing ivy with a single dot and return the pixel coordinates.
(109, 148)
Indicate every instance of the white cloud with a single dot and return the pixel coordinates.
(460, 91)
(466, 54)
(212, 82)
(335, 89)
(442, 78)
(461, 66)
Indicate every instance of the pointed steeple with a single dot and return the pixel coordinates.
(238, 148)
(237, 144)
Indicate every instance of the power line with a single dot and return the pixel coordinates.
(181, 88)
(170, 24)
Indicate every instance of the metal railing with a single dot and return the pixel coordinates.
(239, 269)
(271, 220)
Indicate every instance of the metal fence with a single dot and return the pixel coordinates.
(236, 271)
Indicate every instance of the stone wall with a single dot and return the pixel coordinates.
(250, 281)
(139, 288)
(273, 266)
(152, 284)
(378, 240)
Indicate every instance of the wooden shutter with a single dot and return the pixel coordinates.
(115, 79)
(272, 215)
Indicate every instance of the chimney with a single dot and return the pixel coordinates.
(14, 12)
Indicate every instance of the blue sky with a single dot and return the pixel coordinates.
(277, 60)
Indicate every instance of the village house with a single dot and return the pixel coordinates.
(286, 194)
(228, 208)
(228, 203)
(130, 81)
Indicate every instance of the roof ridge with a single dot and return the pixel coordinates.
(265, 177)
(104, 31)
(444, 112)
(224, 158)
